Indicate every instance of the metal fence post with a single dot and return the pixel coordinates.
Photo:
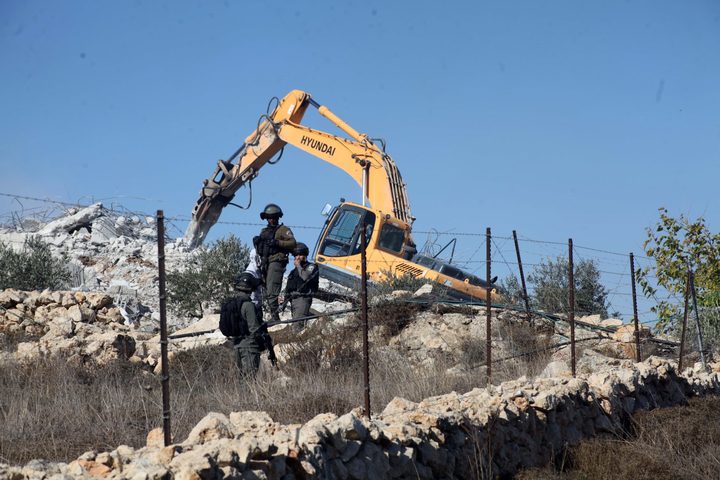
(364, 314)
(522, 278)
(638, 357)
(571, 304)
(685, 322)
(165, 374)
(488, 307)
(701, 347)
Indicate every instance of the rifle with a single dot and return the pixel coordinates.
(266, 343)
(263, 248)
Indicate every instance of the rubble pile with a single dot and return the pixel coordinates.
(497, 430)
(109, 252)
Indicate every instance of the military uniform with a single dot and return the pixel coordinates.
(241, 310)
(302, 284)
(273, 245)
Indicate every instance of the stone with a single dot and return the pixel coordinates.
(352, 447)
(557, 368)
(357, 470)
(97, 300)
(94, 469)
(352, 427)
(61, 327)
(80, 313)
(163, 455)
(591, 319)
(242, 423)
(398, 405)
(338, 469)
(194, 465)
(545, 401)
(212, 427)
(155, 438)
(426, 289)
(103, 231)
(611, 322)
(316, 430)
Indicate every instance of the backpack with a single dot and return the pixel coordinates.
(232, 323)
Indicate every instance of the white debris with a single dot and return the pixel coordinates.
(73, 222)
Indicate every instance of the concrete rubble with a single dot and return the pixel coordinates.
(108, 251)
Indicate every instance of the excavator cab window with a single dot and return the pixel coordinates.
(343, 233)
(391, 238)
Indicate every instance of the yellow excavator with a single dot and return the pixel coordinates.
(385, 209)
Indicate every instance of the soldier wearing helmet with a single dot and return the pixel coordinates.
(240, 322)
(273, 245)
(302, 283)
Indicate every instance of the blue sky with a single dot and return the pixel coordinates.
(557, 119)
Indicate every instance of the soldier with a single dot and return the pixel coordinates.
(302, 283)
(273, 245)
(239, 322)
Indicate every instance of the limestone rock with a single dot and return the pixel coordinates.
(81, 313)
(557, 368)
(213, 427)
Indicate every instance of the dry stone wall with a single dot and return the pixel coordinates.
(496, 430)
(75, 325)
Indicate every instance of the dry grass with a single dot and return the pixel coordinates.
(56, 411)
(393, 316)
(671, 443)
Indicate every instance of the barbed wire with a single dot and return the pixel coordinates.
(553, 249)
(183, 218)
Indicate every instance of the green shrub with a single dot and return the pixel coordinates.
(550, 280)
(675, 246)
(207, 277)
(32, 268)
(393, 282)
(512, 290)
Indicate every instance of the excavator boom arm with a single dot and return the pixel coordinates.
(359, 157)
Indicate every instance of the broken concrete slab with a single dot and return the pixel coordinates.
(70, 223)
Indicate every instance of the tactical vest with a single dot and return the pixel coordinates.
(295, 284)
(273, 253)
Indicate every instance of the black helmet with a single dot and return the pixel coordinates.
(301, 249)
(271, 211)
(246, 282)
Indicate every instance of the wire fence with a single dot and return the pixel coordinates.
(611, 269)
(467, 253)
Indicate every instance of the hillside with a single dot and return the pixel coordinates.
(80, 383)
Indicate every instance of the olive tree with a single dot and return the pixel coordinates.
(33, 267)
(551, 292)
(206, 278)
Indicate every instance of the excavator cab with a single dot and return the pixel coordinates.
(341, 235)
(390, 251)
(339, 245)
